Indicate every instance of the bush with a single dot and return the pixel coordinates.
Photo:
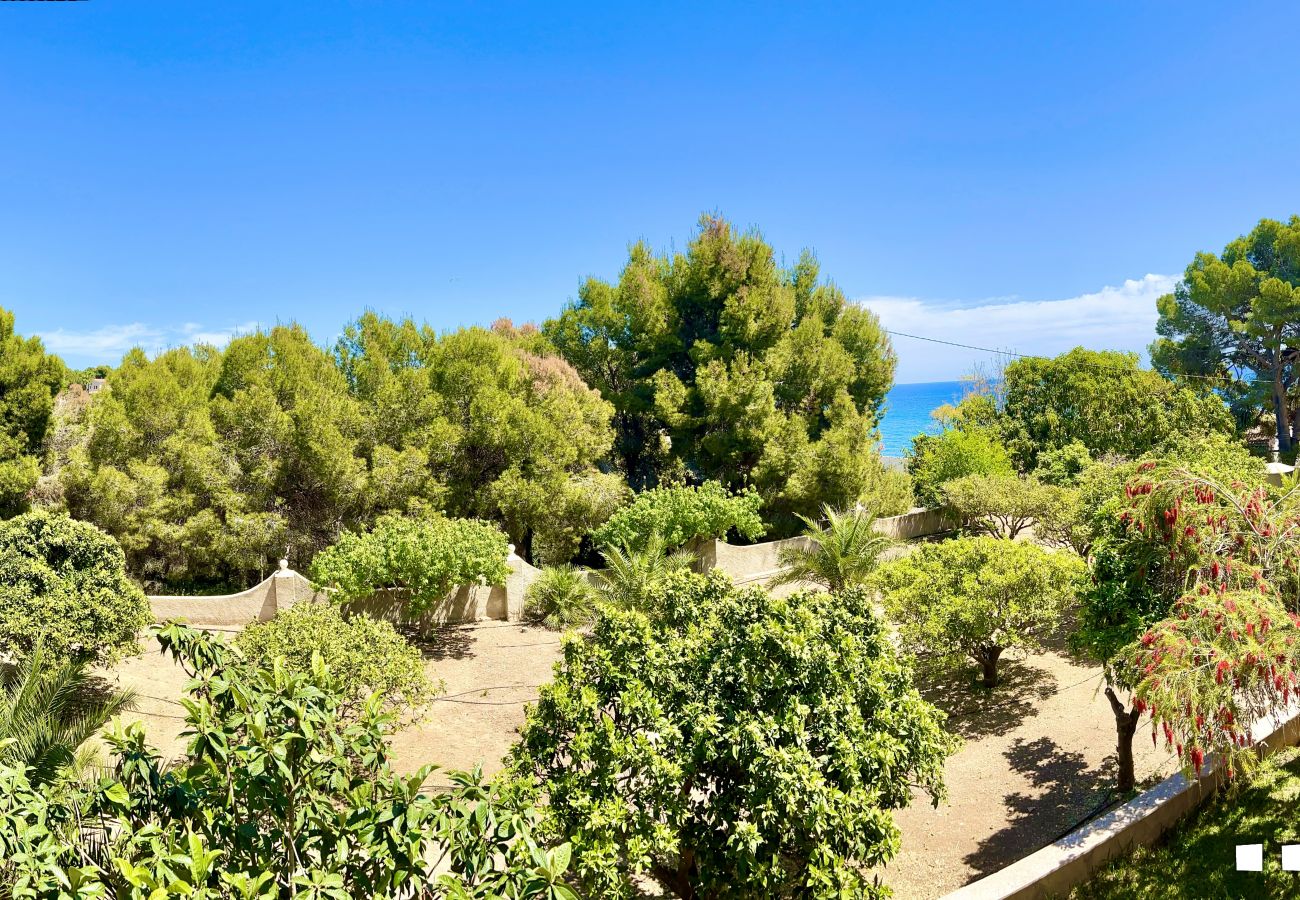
(561, 596)
(840, 554)
(1062, 465)
(978, 597)
(679, 515)
(954, 452)
(1003, 505)
(367, 656)
(284, 793)
(733, 744)
(421, 560)
(64, 582)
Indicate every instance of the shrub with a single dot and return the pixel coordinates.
(367, 656)
(64, 583)
(283, 794)
(978, 597)
(954, 452)
(840, 554)
(1002, 505)
(733, 744)
(561, 596)
(679, 515)
(1062, 465)
(632, 577)
(419, 559)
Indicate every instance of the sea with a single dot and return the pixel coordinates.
(907, 413)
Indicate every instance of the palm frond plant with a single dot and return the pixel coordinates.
(49, 708)
(839, 552)
(632, 574)
(561, 597)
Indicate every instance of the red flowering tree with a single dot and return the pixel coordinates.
(1228, 651)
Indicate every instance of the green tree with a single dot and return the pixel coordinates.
(562, 596)
(283, 793)
(49, 708)
(722, 365)
(839, 552)
(29, 381)
(955, 452)
(418, 559)
(792, 721)
(680, 515)
(1235, 317)
(1104, 401)
(634, 576)
(367, 656)
(63, 584)
(977, 598)
(1005, 505)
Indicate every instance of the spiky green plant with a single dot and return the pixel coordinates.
(839, 552)
(561, 597)
(49, 708)
(631, 575)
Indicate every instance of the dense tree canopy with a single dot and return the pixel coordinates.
(29, 381)
(1235, 317)
(732, 743)
(721, 364)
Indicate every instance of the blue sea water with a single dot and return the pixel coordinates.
(907, 412)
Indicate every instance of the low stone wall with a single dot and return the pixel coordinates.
(1054, 870)
(282, 590)
(917, 523)
(259, 603)
(743, 564)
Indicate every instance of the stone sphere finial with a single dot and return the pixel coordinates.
(510, 549)
(284, 565)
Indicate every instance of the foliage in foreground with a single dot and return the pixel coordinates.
(976, 598)
(366, 655)
(839, 552)
(282, 795)
(561, 596)
(679, 515)
(419, 560)
(1198, 858)
(63, 583)
(49, 708)
(733, 744)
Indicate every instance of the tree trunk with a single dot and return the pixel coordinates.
(1280, 407)
(988, 657)
(1126, 723)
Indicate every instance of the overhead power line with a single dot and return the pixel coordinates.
(918, 337)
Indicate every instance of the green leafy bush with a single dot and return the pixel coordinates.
(366, 655)
(561, 596)
(978, 597)
(64, 582)
(421, 560)
(954, 452)
(1003, 505)
(841, 553)
(284, 793)
(679, 515)
(1062, 465)
(733, 744)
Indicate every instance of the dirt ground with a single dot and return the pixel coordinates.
(1038, 753)
(489, 671)
(1038, 757)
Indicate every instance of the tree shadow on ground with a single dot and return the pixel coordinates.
(975, 711)
(1066, 793)
(445, 642)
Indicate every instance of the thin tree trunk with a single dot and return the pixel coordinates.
(1126, 722)
(1280, 406)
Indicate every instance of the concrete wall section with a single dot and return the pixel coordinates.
(261, 602)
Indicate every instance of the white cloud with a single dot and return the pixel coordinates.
(109, 343)
(1113, 318)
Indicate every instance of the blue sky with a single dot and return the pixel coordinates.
(1028, 176)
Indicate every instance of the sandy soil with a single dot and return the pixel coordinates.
(1038, 757)
(489, 670)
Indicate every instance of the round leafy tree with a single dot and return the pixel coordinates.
(979, 597)
(366, 655)
(64, 582)
(965, 450)
(421, 560)
(678, 515)
(734, 744)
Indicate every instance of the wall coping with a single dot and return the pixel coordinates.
(1057, 868)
